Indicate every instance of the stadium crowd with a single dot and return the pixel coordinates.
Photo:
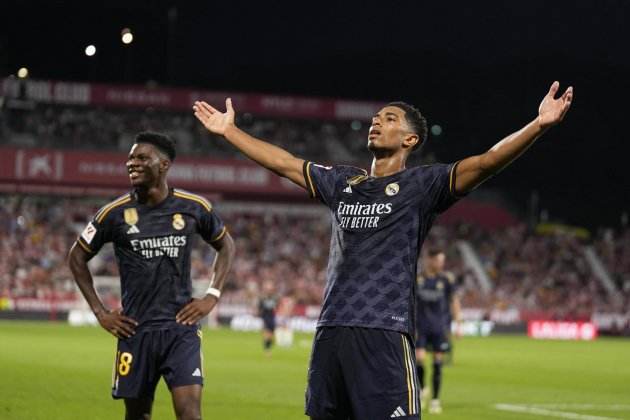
(66, 127)
(529, 271)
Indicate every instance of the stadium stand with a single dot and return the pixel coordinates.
(536, 274)
(68, 127)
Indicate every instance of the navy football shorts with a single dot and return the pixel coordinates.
(433, 341)
(269, 323)
(362, 374)
(174, 353)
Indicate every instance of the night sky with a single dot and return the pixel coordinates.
(479, 69)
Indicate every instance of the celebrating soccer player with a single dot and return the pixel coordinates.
(151, 229)
(362, 363)
(435, 301)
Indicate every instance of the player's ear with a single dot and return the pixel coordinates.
(410, 140)
(165, 164)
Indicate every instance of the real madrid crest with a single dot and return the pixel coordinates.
(392, 189)
(178, 221)
(131, 216)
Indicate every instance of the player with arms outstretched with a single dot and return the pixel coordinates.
(152, 230)
(362, 362)
(435, 302)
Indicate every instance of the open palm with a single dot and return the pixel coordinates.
(215, 121)
(551, 110)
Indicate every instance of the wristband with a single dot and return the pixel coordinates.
(214, 292)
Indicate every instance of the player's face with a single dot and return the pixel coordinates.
(267, 287)
(144, 165)
(435, 263)
(389, 130)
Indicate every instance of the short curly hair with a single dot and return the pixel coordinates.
(415, 119)
(162, 142)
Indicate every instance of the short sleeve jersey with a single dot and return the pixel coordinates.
(433, 299)
(152, 247)
(267, 306)
(378, 227)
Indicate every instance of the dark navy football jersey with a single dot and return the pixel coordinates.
(267, 306)
(153, 247)
(378, 227)
(433, 300)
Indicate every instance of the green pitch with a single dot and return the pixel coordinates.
(53, 371)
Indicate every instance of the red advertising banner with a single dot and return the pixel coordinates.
(42, 168)
(134, 96)
(561, 330)
(75, 173)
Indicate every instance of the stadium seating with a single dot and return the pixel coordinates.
(530, 272)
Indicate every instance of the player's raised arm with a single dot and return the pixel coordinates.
(474, 170)
(267, 155)
(114, 322)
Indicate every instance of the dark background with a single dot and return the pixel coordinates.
(479, 69)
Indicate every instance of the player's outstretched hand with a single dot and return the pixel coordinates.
(195, 310)
(215, 121)
(116, 324)
(551, 110)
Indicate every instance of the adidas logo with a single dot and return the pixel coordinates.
(348, 189)
(197, 372)
(399, 412)
(133, 229)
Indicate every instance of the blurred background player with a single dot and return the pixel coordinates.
(453, 316)
(267, 311)
(436, 305)
(152, 229)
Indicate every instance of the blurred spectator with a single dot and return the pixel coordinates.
(66, 127)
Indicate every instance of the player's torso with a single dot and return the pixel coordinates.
(368, 208)
(146, 233)
(432, 301)
(153, 247)
(376, 233)
(268, 305)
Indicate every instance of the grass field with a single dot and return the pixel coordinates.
(53, 371)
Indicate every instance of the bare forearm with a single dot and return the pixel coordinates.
(456, 309)
(474, 170)
(507, 150)
(84, 280)
(223, 263)
(267, 155)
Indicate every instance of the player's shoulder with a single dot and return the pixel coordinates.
(426, 175)
(450, 277)
(344, 170)
(112, 207)
(192, 199)
(430, 169)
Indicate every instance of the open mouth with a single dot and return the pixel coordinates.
(134, 174)
(374, 133)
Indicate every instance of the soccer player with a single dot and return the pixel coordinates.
(151, 229)
(267, 311)
(435, 301)
(362, 363)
